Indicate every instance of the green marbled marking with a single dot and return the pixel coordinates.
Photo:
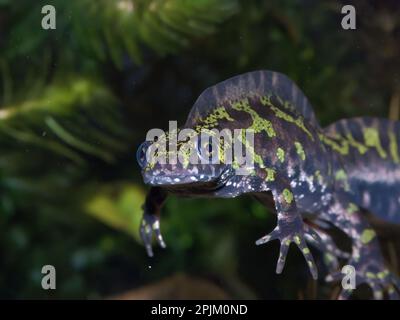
(342, 176)
(394, 152)
(318, 176)
(367, 236)
(270, 174)
(343, 149)
(371, 137)
(300, 150)
(259, 124)
(359, 146)
(288, 196)
(280, 153)
(287, 117)
(352, 208)
(211, 120)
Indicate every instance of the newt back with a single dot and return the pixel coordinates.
(369, 152)
(262, 83)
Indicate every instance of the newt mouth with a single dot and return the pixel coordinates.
(202, 187)
(223, 178)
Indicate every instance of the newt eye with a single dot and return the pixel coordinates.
(141, 154)
(208, 148)
(205, 151)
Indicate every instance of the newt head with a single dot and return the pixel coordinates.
(188, 165)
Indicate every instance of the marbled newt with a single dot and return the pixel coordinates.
(328, 175)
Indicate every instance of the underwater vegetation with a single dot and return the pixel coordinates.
(77, 101)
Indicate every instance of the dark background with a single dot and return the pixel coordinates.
(76, 102)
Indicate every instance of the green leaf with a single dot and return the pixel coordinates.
(118, 206)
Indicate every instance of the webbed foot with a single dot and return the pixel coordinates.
(287, 232)
(374, 274)
(323, 242)
(150, 225)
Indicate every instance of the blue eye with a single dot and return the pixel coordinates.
(209, 148)
(141, 154)
(205, 151)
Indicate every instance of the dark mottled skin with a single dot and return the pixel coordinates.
(325, 175)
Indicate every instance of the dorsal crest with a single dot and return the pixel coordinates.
(262, 83)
